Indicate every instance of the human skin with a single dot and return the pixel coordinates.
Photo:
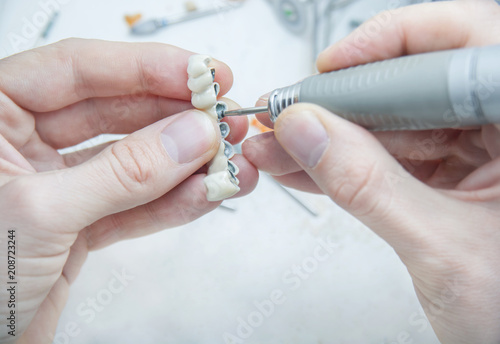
(63, 206)
(434, 195)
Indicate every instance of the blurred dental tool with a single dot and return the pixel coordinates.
(228, 206)
(46, 30)
(132, 19)
(150, 26)
(295, 198)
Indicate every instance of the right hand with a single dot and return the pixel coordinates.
(441, 215)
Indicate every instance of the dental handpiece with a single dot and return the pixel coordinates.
(445, 89)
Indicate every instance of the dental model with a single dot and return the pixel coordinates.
(221, 181)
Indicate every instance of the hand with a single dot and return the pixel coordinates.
(434, 195)
(62, 206)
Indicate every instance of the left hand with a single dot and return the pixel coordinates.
(63, 206)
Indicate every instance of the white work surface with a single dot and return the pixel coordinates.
(195, 283)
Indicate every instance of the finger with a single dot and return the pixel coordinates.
(16, 124)
(488, 176)
(78, 69)
(239, 129)
(77, 255)
(300, 181)
(265, 152)
(12, 164)
(40, 155)
(264, 117)
(418, 145)
(9, 172)
(449, 173)
(465, 145)
(491, 139)
(181, 205)
(43, 325)
(113, 115)
(185, 203)
(349, 165)
(10, 155)
(116, 115)
(439, 174)
(248, 175)
(238, 125)
(414, 29)
(134, 171)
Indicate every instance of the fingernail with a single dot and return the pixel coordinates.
(265, 97)
(303, 135)
(189, 136)
(258, 139)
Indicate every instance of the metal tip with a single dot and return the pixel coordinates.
(246, 111)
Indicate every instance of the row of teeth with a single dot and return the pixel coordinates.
(221, 181)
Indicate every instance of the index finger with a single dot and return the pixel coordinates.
(58, 75)
(415, 29)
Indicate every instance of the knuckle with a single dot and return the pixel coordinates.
(97, 119)
(151, 76)
(20, 124)
(65, 48)
(133, 164)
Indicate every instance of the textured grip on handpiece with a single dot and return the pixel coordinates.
(408, 93)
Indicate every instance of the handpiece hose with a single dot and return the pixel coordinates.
(446, 89)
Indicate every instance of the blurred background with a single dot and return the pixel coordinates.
(278, 266)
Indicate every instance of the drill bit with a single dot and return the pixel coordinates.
(246, 111)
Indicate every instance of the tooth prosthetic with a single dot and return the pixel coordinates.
(221, 181)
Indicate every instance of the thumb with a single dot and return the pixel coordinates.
(356, 172)
(136, 170)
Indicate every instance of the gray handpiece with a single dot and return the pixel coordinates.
(446, 89)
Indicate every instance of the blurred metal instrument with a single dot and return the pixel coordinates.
(150, 26)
